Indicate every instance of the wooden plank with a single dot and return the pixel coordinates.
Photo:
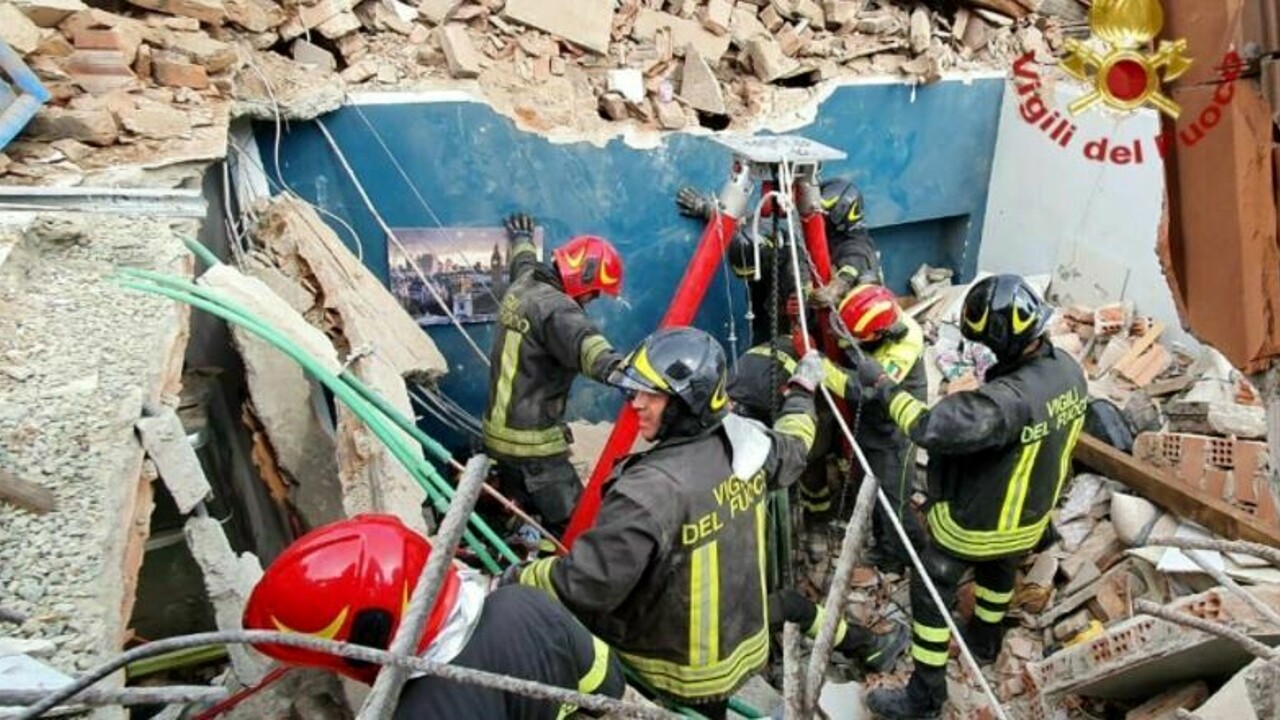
(1160, 488)
(1139, 347)
(26, 494)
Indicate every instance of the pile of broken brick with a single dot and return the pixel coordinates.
(154, 84)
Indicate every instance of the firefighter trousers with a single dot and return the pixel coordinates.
(548, 486)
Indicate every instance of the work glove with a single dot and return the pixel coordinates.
(809, 372)
(829, 295)
(694, 204)
(871, 374)
(519, 227)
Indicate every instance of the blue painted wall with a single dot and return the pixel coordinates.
(922, 158)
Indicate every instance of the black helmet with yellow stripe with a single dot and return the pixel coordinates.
(842, 201)
(684, 363)
(1004, 313)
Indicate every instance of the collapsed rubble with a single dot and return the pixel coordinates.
(156, 84)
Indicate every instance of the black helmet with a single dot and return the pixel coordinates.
(1004, 313)
(843, 202)
(684, 363)
(742, 254)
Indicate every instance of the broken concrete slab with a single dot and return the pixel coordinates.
(94, 127)
(212, 12)
(1247, 422)
(1140, 656)
(229, 580)
(48, 13)
(156, 122)
(586, 23)
(717, 16)
(437, 12)
(311, 54)
(257, 16)
(683, 32)
(699, 86)
(459, 53)
(165, 441)
(768, 61)
(745, 25)
(18, 30)
(296, 92)
(172, 70)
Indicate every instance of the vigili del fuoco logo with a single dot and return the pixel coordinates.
(1122, 75)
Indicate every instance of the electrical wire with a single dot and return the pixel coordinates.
(391, 238)
(786, 198)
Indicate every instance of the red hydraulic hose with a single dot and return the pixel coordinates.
(684, 305)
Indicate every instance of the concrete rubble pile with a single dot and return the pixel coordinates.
(155, 84)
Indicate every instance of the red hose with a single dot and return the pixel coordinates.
(226, 705)
(684, 305)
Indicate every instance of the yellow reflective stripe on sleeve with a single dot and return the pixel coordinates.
(932, 658)
(905, 410)
(836, 379)
(538, 575)
(1015, 494)
(592, 348)
(991, 596)
(981, 544)
(900, 356)
(988, 616)
(511, 342)
(1065, 468)
(812, 630)
(931, 634)
(704, 605)
(797, 425)
(788, 362)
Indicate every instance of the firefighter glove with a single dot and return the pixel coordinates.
(510, 576)
(830, 295)
(694, 204)
(519, 227)
(810, 371)
(871, 373)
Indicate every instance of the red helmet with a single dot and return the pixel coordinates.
(868, 311)
(349, 581)
(589, 263)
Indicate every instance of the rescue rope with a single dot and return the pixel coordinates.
(836, 598)
(456, 673)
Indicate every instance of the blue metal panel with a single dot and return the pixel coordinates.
(21, 102)
(923, 159)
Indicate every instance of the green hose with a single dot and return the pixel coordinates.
(424, 473)
(198, 249)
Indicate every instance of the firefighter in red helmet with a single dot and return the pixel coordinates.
(542, 341)
(351, 580)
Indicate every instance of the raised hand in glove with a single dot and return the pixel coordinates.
(871, 373)
(510, 576)
(694, 204)
(519, 227)
(809, 372)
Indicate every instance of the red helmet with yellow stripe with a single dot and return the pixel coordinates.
(587, 264)
(868, 311)
(348, 581)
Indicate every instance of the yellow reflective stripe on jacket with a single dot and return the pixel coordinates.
(704, 605)
(905, 410)
(897, 357)
(537, 574)
(594, 678)
(592, 348)
(836, 379)
(981, 544)
(788, 362)
(718, 679)
(509, 441)
(1065, 468)
(1015, 495)
(798, 425)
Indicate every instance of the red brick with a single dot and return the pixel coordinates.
(99, 39)
(176, 73)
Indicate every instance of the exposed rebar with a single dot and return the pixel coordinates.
(1225, 580)
(160, 695)
(1241, 547)
(1253, 646)
(792, 673)
(456, 673)
(386, 689)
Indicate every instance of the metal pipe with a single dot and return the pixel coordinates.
(684, 305)
(1232, 586)
(386, 689)
(163, 695)
(455, 673)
